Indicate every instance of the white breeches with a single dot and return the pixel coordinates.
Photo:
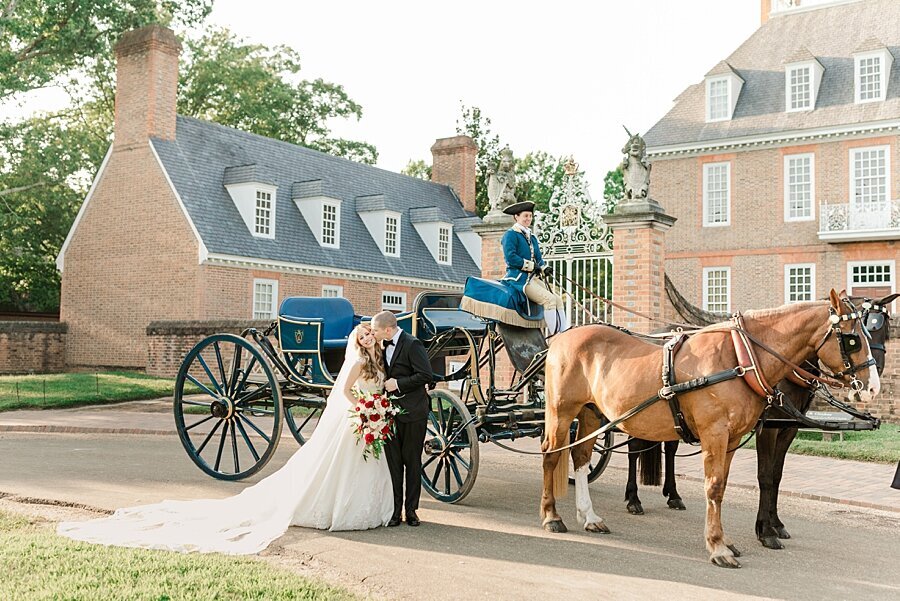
(554, 309)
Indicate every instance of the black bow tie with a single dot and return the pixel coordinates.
(388, 343)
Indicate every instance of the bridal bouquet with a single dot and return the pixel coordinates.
(373, 421)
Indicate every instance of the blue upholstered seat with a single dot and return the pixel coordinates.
(337, 317)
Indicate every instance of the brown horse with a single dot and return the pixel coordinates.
(602, 368)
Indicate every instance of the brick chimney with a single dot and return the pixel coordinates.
(146, 85)
(765, 7)
(453, 164)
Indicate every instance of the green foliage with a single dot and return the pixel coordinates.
(478, 127)
(41, 40)
(252, 87)
(43, 565)
(613, 188)
(55, 391)
(538, 174)
(419, 169)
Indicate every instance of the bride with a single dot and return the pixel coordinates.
(327, 484)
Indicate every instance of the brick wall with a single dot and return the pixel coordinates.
(169, 341)
(32, 347)
(453, 164)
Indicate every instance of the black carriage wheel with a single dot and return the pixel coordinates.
(450, 457)
(230, 428)
(300, 419)
(599, 456)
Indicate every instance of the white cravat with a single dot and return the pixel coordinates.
(524, 230)
(389, 353)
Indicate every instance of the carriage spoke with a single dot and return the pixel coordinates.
(208, 436)
(308, 417)
(243, 381)
(195, 424)
(221, 366)
(437, 474)
(461, 460)
(255, 427)
(237, 466)
(443, 419)
(244, 398)
(430, 461)
(447, 475)
(456, 475)
(196, 403)
(246, 438)
(201, 386)
(212, 378)
(235, 368)
(221, 446)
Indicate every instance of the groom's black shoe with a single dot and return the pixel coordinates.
(412, 519)
(395, 521)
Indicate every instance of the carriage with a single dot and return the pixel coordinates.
(234, 394)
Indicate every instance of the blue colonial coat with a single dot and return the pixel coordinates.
(505, 300)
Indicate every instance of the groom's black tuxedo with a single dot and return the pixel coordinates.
(412, 370)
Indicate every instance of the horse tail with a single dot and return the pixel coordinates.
(561, 475)
(650, 463)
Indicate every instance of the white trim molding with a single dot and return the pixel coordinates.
(706, 272)
(787, 281)
(885, 60)
(392, 300)
(788, 159)
(321, 271)
(733, 84)
(273, 302)
(890, 263)
(332, 291)
(707, 167)
(815, 70)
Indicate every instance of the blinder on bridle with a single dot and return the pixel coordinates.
(848, 343)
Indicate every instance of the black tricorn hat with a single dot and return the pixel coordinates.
(517, 208)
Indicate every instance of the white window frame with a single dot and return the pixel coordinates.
(812, 186)
(449, 232)
(890, 262)
(337, 224)
(787, 281)
(396, 217)
(882, 79)
(706, 272)
(273, 309)
(709, 84)
(332, 291)
(886, 148)
(706, 169)
(789, 88)
(386, 305)
(270, 233)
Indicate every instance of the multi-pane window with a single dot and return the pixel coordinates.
(869, 185)
(332, 291)
(799, 282)
(265, 294)
(868, 71)
(329, 225)
(393, 301)
(444, 245)
(874, 279)
(798, 187)
(800, 88)
(716, 184)
(263, 213)
(717, 99)
(390, 235)
(717, 289)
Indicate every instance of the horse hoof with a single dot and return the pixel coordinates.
(635, 508)
(725, 561)
(676, 504)
(771, 542)
(556, 526)
(599, 527)
(781, 532)
(734, 550)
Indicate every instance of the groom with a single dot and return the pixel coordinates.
(408, 372)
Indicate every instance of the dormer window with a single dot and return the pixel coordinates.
(436, 231)
(330, 224)
(872, 68)
(723, 86)
(802, 78)
(392, 235)
(443, 245)
(320, 209)
(263, 212)
(799, 89)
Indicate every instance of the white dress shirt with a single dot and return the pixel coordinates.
(389, 352)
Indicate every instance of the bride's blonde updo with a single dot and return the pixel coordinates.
(373, 363)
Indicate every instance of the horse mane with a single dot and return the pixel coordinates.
(765, 313)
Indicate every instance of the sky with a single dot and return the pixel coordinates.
(562, 77)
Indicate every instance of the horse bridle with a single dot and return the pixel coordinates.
(849, 344)
(880, 315)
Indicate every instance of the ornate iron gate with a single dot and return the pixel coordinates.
(578, 244)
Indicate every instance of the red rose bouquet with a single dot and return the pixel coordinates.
(373, 421)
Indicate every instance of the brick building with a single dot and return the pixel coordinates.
(190, 220)
(781, 163)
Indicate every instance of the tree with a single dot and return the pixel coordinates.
(41, 40)
(613, 188)
(419, 169)
(538, 174)
(478, 127)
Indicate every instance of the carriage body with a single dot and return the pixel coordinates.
(233, 393)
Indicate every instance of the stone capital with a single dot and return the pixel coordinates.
(641, 214)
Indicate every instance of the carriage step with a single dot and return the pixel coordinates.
(834, 421)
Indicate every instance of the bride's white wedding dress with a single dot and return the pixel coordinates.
(327, 484)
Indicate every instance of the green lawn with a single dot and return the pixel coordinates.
(880, 446)
(39, 564)
(47, 391)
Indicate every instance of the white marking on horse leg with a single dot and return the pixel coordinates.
(583, 506)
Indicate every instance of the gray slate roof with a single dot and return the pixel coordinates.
(197, 160)
(832, 34)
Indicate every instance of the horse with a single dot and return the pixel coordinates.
(601, 369)
(771, 447)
